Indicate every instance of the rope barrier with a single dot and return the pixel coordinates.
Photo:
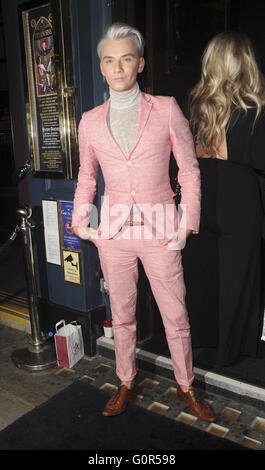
(38, 354)
(5, 247)
(21, 172)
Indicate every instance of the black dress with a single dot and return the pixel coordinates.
(222, 264)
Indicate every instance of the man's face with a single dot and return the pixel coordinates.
(120, 64)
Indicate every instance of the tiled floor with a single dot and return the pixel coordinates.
(21, 391)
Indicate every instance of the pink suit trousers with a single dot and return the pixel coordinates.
(163, 267)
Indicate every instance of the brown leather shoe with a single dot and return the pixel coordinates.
(196, 406)
(119, 401)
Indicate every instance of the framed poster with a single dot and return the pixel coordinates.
(51, 231)
(49, 88)
(69, 239)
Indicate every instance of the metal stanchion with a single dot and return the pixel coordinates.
(39, 354)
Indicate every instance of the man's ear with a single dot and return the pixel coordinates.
(141, 64)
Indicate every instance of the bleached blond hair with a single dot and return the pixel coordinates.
(230, 80)
(118, 31)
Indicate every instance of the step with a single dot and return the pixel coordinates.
(162, 365)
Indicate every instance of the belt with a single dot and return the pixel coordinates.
(133, 222)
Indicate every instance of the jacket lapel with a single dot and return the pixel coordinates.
(112, 146)
(145, 107)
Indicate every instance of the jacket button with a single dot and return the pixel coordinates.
(129, 163)
(132, 193)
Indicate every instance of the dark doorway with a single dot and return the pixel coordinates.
(8, 192)
(177, 31)
(12, 276)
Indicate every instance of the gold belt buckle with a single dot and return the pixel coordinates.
(136, 223)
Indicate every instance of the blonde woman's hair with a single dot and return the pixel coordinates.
(230, 80)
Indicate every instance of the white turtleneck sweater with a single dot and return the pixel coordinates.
(123, 117)
(122, 121)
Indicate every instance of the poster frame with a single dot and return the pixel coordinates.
(68, 155)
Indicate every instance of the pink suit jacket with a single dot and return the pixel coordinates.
(143, 178)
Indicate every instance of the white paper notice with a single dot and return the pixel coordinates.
(51, 232)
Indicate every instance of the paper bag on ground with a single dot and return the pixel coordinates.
(68, 343)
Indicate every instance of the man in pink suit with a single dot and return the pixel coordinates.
(131, 137)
